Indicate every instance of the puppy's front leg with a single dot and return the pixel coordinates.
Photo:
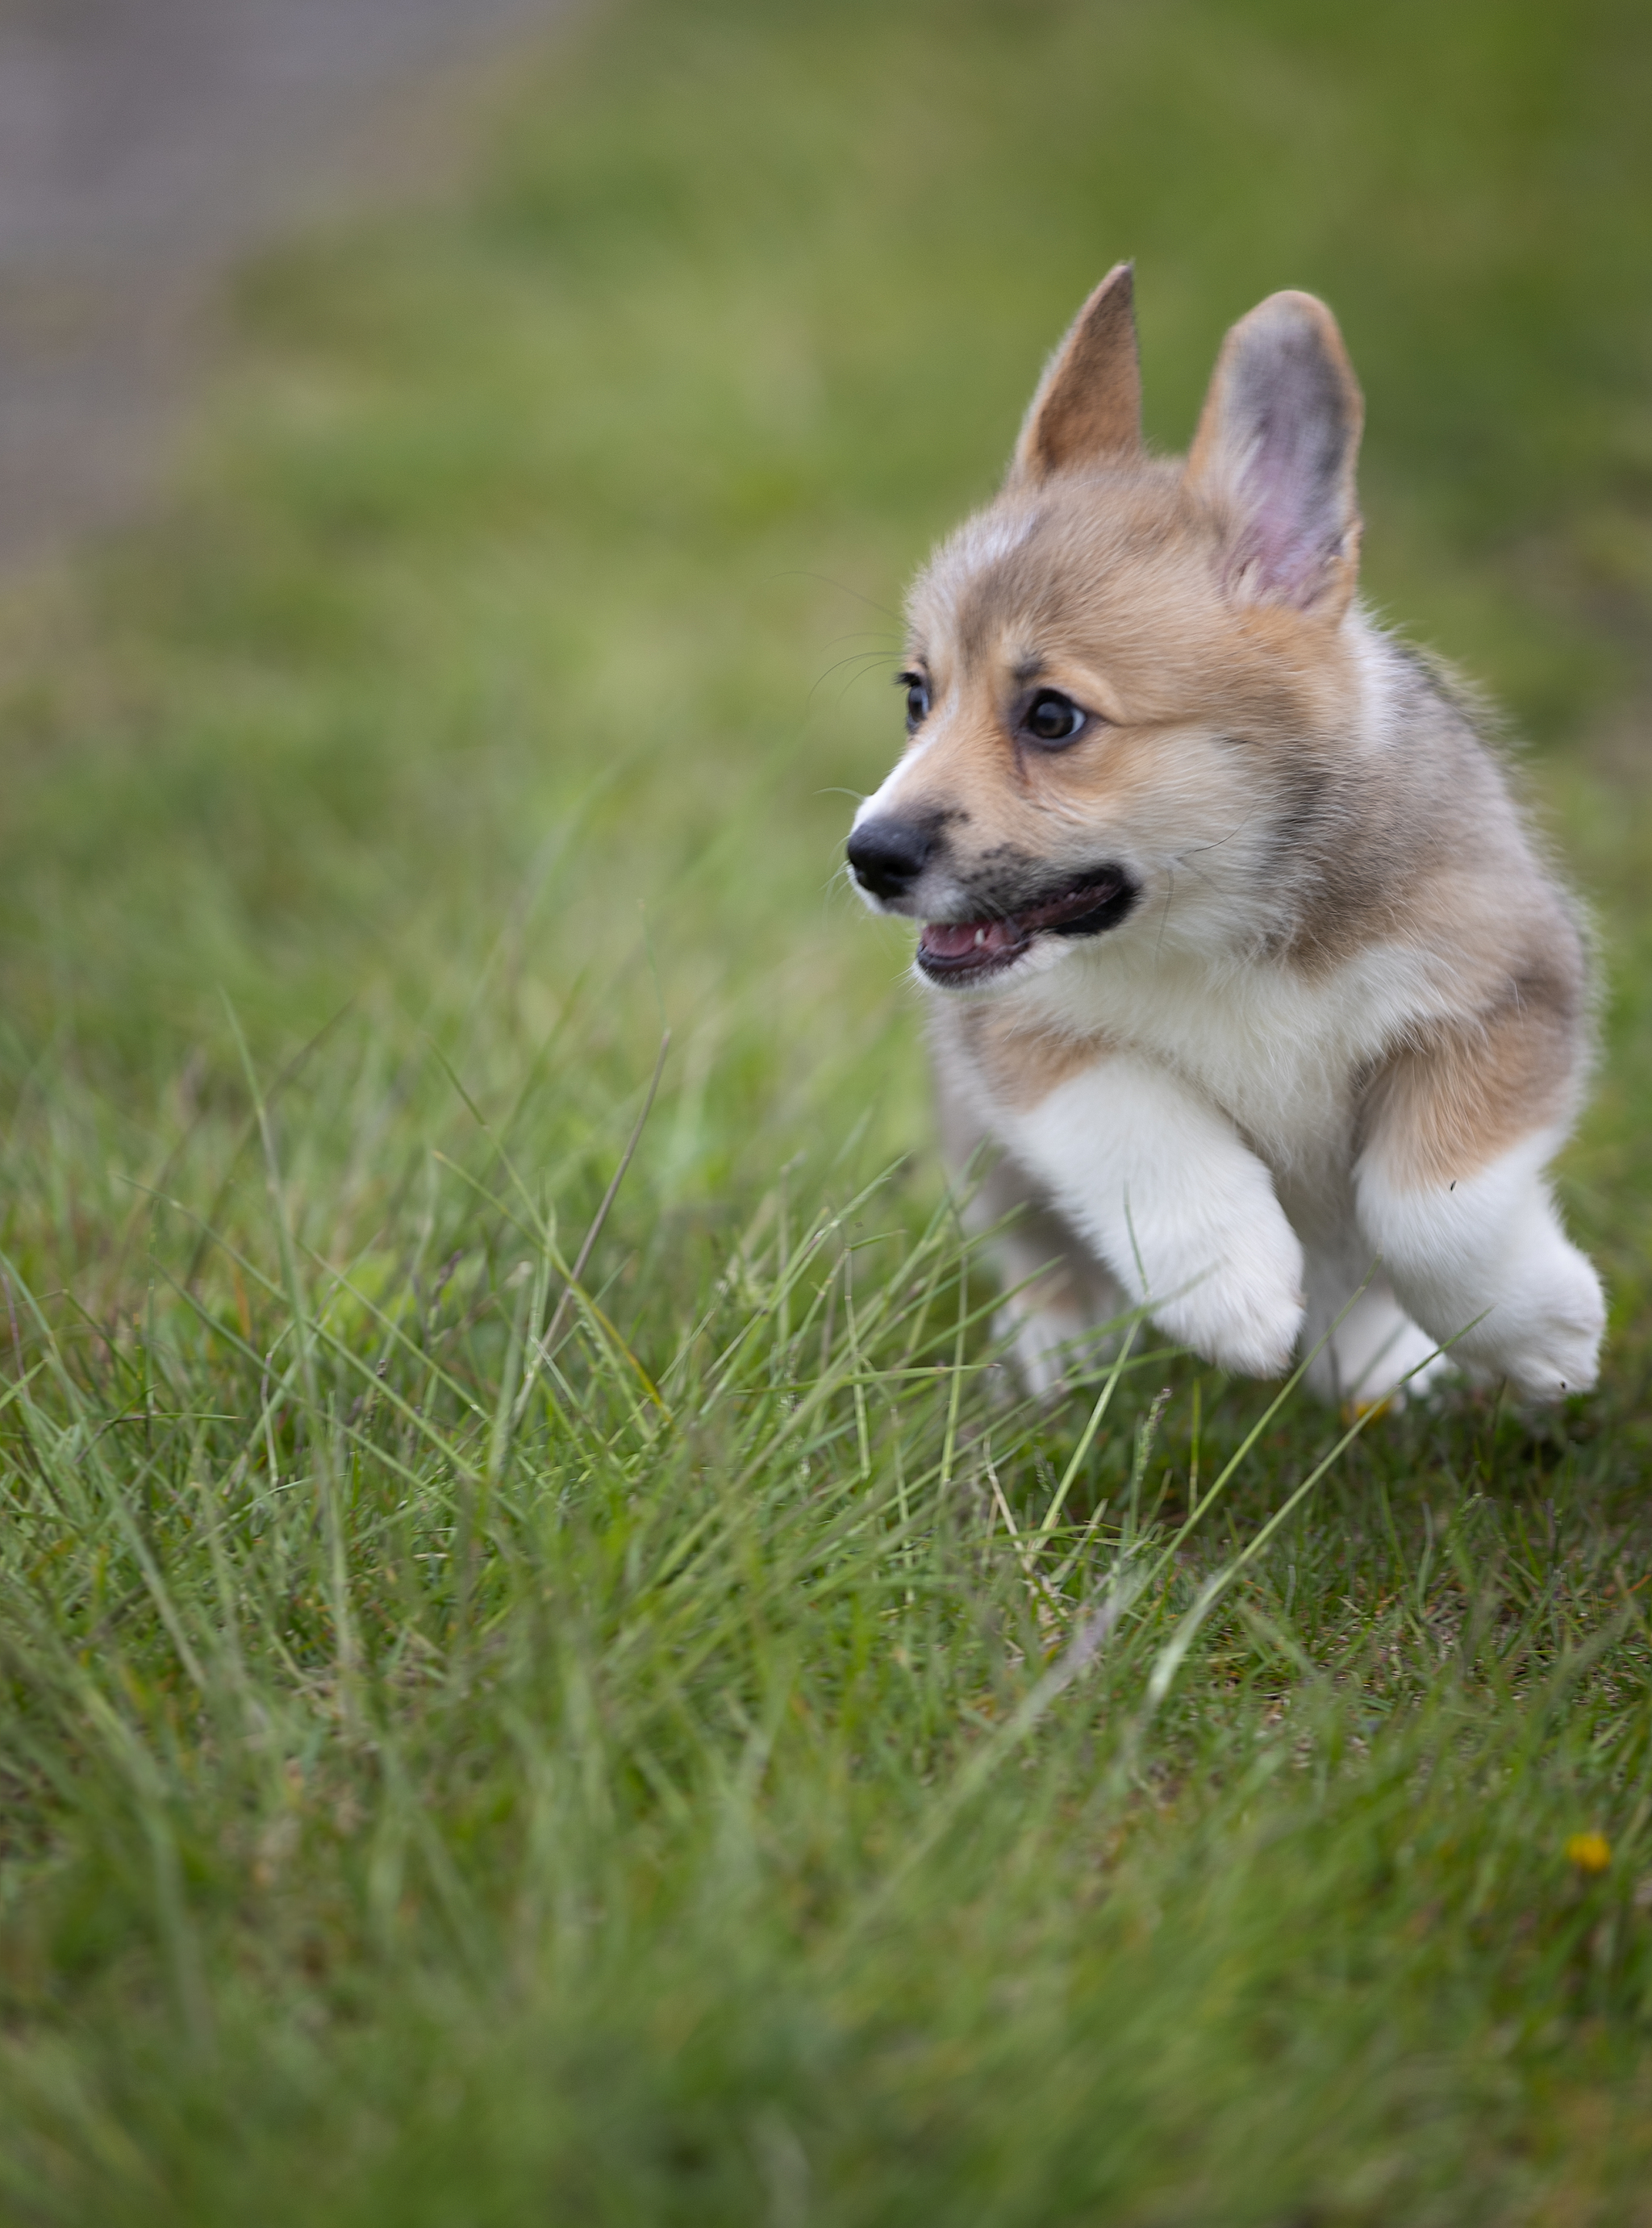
(1481, 1261)
(1181, 1211)
(1463, 1216)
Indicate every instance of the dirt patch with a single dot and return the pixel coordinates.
(146, 146)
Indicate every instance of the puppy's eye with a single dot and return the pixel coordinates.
(917, 690)
(1052, 717)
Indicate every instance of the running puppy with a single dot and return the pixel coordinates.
(1239, 951)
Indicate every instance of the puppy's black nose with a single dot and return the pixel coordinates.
(887, 855)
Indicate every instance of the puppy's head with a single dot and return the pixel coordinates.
(1123, 675)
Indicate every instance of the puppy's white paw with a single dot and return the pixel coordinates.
(1245, 1314)
(1249, 1334)
(1552, 1347)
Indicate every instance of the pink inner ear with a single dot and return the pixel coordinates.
(1293, 425)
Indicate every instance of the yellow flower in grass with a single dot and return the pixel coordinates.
(1590, 1853)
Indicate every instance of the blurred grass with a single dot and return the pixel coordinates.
(463, 1762)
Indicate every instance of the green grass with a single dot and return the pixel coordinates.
(697, 1749)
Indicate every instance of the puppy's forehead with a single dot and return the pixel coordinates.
(1064, 563)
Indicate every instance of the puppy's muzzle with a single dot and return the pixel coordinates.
(887, 855)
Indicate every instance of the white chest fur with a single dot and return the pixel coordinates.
(1278, 1052)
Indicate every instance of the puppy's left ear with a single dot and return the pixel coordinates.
(1275, 454)
(1088, 407)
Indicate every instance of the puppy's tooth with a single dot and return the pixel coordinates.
(981, 935)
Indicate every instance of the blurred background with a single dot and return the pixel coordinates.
(143, 145)
(507, 430)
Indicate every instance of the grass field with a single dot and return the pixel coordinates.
(685, 1745)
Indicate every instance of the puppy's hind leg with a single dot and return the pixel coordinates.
(1059, 1302)
(1368, 1346)
(1060, 1307)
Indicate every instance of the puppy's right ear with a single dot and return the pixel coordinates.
(1088, 407)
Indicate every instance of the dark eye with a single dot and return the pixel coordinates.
(917, 690)
(1052, 717)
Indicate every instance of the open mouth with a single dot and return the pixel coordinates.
(967, 951)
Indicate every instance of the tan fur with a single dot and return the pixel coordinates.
(1089, 401)
(1447, 1108)
(1023, 1064)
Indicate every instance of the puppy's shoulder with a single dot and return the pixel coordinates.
(1010, 1054)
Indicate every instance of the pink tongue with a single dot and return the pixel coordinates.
(948, 939)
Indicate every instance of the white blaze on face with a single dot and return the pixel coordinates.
(887, 799)
(979, 543)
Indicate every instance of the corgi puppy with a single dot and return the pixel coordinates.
(1238, 950)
